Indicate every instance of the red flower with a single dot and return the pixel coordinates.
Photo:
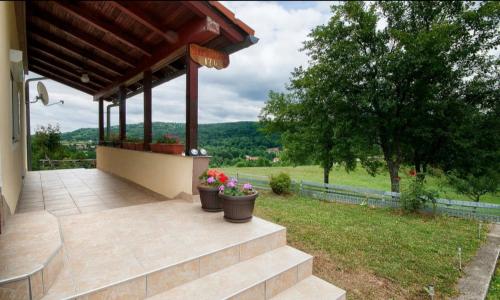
(413, 172)
(223, 178)
(212, 173)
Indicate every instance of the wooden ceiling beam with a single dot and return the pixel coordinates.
(63, 59)
(71, 48)
(83, 37)
(56, 69)
(108, 27)
(202, 9)
(61, 79)
(200, 31)
(138, 15)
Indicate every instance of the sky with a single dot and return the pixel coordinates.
(236, 93)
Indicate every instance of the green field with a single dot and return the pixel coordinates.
(375, 253)
(358, 178)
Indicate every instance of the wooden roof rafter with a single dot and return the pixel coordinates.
(107, 27)
(85, 38)
(169, 35)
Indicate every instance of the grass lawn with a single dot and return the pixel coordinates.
(358, 177)
(374, 253)
(494, 291)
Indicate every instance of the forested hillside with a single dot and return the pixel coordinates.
(228, 143)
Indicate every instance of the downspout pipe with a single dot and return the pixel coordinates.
(28, 118)
(108, 119)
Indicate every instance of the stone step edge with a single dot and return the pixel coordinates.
(321, 289)
(53, 261)
(306, 261)
(281, 242)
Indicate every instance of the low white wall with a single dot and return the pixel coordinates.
(173, 176)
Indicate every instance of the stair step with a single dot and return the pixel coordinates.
(312, 288)
(261, 277)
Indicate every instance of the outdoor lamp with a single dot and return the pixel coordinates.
(85, 78)
(203, 152)
(193, 152)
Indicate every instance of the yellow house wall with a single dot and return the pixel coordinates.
(173, 176)
(12, 162)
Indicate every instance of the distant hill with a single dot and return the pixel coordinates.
(228, 142)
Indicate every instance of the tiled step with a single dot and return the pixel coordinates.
(312, 288)
(157, 251)
(261, 277)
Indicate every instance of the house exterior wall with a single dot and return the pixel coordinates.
(12, 153)
(173, 176)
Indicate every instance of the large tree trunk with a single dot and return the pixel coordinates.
(393, 168)
(326, 174)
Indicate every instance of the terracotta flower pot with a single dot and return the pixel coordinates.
(210, 200)
(128, 145)
(238, 209)
(139, 146)
(167, 148)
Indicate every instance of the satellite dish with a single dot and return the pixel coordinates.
(42, 93)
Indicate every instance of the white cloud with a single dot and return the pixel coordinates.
(233, 94)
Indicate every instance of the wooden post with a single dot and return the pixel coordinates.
(122, 97)
(148, 123)
(191, 104)
(101, 120)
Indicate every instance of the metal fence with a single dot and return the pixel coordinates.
(377, 198)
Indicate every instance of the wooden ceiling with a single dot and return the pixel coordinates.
(114, 42)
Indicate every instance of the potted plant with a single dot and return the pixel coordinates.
(209, 190)
(169, 144)
(134, 144)
(238, 201)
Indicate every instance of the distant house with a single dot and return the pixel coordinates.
(273, 150)
(276, 159)
(251, 158)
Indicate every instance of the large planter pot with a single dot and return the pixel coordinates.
(167, 148)
(238, 209)
(139, 146)
(128, 145)
(210, 200)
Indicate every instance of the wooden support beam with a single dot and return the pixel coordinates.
(122, 98)
(59, 59)
(191, 104)
(103, 25)
(101, 121)
(61, 79)
(84, 37)
(70, 75)
(141, 17)
(58, 42)
(200, 32)
(202, 9)
(148, 105)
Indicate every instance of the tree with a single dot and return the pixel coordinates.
(392, 85)
(46, 144)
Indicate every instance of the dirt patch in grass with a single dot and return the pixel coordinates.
(360, 284)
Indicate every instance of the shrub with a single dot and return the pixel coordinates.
(416, 195)
(280, 184)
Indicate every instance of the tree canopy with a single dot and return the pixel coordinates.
(405, 80)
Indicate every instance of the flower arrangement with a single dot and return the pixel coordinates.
(213, 178)
(168, 139)
(231, 188)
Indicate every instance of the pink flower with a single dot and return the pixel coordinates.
(231, 184)
(221, 188)
(247, 186)
(210, 180)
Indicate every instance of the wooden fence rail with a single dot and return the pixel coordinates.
(362, 196)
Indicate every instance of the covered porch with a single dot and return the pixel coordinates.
(116, 50)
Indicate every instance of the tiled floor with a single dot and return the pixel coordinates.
(74, 191)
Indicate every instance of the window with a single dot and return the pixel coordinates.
(16, 109)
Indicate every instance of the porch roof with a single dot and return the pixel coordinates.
(114, 42)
